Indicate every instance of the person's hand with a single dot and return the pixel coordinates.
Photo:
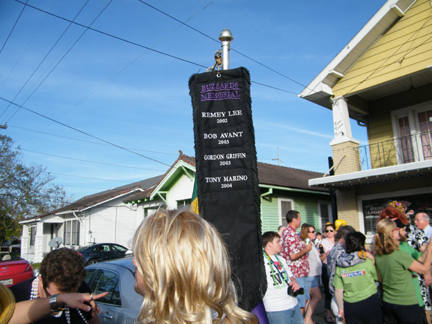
(294, 284)
(76, 300)
(308, 247)
(342, 314)
(428, 279)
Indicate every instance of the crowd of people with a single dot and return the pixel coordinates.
(388, 285)
(183, 272)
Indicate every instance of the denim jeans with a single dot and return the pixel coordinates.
(289, 316)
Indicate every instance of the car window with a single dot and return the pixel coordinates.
(118, 248)
(89, 275)
(106, 280)
(105, 248)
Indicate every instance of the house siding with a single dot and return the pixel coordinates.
(116, 224)
(306, 204)
(180, 190)
(381, 140)
(404, 49)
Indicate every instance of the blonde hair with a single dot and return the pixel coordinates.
(384, 242)
(186, 271)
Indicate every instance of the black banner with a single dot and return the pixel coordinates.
(226, 166)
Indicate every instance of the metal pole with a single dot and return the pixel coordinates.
(226, 38)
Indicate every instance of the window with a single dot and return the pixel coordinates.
(411, 203)
(413, 133)
(325, 212)
(71, 232)
(184, 202)
(406, 145)
(32, 235)
(285, 205)
(106, 280)
(425, 126)
(118, 248)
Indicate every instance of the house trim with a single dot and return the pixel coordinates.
(294, 189)
(182, 165)
(374, 175)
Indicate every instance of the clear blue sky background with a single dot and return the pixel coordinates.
(139, 99)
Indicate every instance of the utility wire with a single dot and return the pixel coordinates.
(77, 176)
(82, 132)
(88, 161)
(112, 36)
(7, 38)
(43, 60)
(121, 70)
(152, 49)
(49, 73)
(382, 66)
(22, 53)
(213, 39)
(91, 142)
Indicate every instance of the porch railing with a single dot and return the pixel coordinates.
(396, 151)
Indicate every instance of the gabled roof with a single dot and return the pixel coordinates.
(145, 194)
(101, 197)
(320, 89)
(268, 175)
(274, 175)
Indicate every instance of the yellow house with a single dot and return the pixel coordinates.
(383, 80)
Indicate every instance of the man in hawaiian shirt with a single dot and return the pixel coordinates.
(294, 251)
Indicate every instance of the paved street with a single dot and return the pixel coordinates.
(320, 312)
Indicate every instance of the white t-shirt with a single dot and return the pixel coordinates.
(315, 265)
(276, 298)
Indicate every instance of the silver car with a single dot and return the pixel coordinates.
(122, 304)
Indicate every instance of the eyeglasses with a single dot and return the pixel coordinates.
(331, 231)
(313, 232)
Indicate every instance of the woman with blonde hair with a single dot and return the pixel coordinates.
(184, 272)
(400, 304)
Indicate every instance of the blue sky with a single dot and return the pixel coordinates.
(139, 99)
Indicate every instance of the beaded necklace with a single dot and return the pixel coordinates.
(35, 295)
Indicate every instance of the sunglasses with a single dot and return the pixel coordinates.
(331, 231)
(313, 232)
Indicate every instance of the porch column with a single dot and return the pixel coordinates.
(346, 157)
(25, 242)
(39, 239)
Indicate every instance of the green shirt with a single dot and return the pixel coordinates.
(357, 281)
(403, 246)
(396, 278)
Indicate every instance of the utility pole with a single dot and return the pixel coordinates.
(278, 158)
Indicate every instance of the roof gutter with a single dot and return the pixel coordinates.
(79, 220)
(295, 190)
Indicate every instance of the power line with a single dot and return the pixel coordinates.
(82, 132)
(43, 60)
(49, 73)
(88, 161)
(129, 64)
(213, 39)
(112, 36)
(10, 33)
(77, 176)
(382, 66)
(156, 51)
(80, 140)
